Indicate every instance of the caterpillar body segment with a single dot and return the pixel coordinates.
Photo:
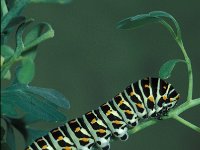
(101, 132)
(146, 98)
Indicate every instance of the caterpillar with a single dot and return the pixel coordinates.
(144, 99)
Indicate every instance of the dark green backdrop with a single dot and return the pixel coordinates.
(90, 61)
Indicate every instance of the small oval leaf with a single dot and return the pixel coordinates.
(6, 51)
(167, 67)
(14, 11)
(137, 21)
(26, 71)
(19, 39)
(152, 17)
(35, 36)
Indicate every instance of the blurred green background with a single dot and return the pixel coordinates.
(90, 61)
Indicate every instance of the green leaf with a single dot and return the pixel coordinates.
(166, 69)
(51, 1)
(137, 21)
(15, 21)
(26, 71)
(10, 137)
(2, 60)
(6, 52)
(16, 9)
(4, 8)
(7, 75)
(19, 38)
(36, 35)
(152, 17)
(36, 103)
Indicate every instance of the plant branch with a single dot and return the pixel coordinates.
(187, 123)
(172, 114)
(189, 67)
(142, 126)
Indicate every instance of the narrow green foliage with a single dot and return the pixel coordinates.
(137, 21)
(14, 12)
(167, 68)
(152, 17)
(19, 38)
(26, 71)
(37, 35)
(23, 105)
(6, 52)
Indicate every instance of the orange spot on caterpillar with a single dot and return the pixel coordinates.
(164, 97)
(93, 121)
(68, 148)
(84, 139)
(60, 138)
(108, 112)
(116, 122)
(132, 93)
(146, 86)
(121, 102)
(77, 129)
(139, 105)
(128, 111)
(151, 98)
(101, 131)
(164, 87)
(44, 147)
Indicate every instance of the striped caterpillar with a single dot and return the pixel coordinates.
(144, 99)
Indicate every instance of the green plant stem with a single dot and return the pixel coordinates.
(142, 126)
(185, 106)
(188, 124)
(4, 8)
(172, 114)
(189, 67)
(178, 39)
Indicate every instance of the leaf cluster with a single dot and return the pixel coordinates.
(24, 105)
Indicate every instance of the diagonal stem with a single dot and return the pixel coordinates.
(187, 123)
(172, 114)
